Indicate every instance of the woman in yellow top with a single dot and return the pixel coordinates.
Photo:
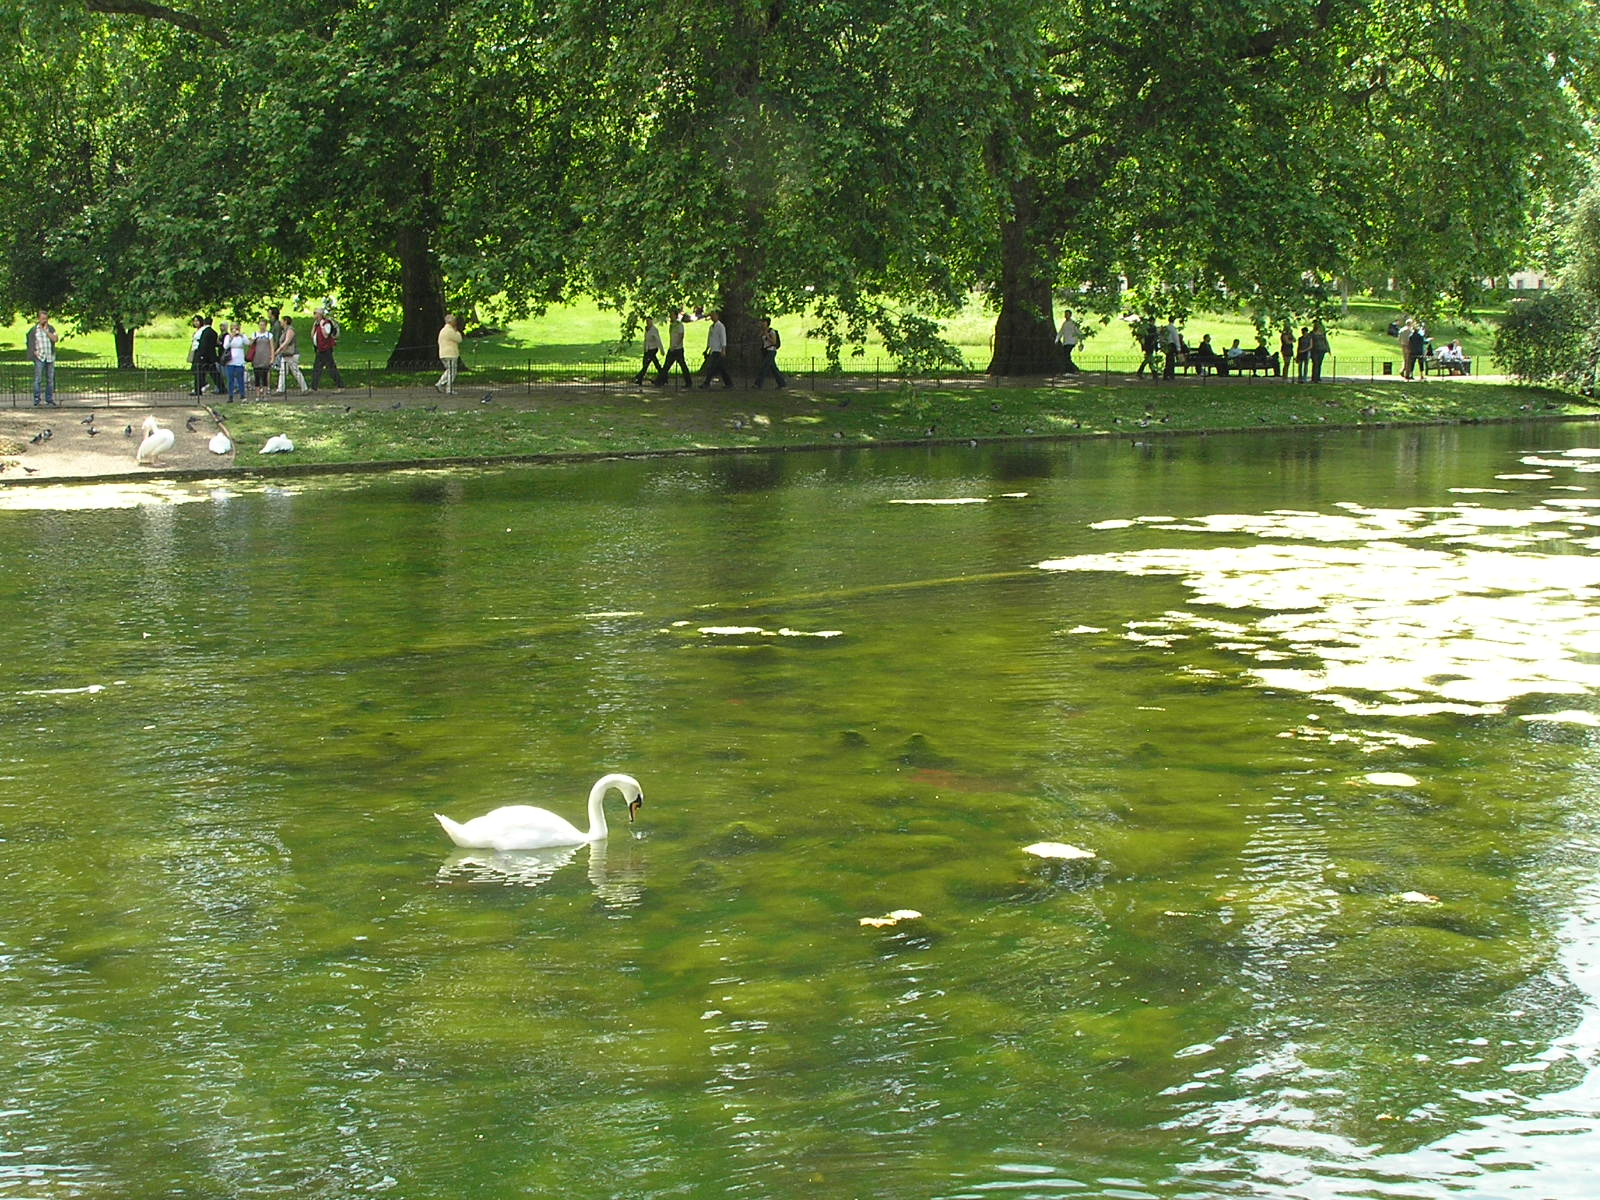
(449, 353)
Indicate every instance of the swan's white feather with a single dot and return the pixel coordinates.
(157, 440)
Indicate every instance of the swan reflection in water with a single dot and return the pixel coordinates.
(615, 872)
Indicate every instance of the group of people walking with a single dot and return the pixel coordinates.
(276, 342)
(716, 355)
(221, 358)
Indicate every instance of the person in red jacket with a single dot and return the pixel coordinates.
(324, 337)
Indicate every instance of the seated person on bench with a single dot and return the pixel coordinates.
(1452, 357)
(1205, 357)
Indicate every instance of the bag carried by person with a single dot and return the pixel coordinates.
(250, 352)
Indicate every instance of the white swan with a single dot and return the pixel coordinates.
(278, 443)
(523, 827)
(220, 443)
(157, 440)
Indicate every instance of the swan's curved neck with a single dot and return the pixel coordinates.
(597, 795)
(597, 810)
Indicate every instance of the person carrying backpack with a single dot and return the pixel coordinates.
(770, 341)
(324, 337)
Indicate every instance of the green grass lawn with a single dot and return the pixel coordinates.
(416, 428)
(583, 335)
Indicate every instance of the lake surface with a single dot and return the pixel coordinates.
(1323, 708)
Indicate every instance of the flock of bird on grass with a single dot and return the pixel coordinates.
(157, 439)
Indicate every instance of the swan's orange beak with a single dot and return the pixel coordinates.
(635, 806)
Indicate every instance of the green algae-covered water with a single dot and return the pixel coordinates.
(1323, 710)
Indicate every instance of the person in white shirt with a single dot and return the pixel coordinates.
(716, 352)
(652, 351)
(1452, 356)
(233, 358)
(1068, 337)
(1171, 346)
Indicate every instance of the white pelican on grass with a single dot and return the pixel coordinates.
(523, 827)
(158, 439)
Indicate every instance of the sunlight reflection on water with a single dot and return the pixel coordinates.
(1377, 624)
(1399, 613)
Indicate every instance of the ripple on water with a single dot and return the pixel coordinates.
(1375, 622)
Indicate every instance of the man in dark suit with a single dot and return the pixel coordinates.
(205, 360)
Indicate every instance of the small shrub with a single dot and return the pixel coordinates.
(1553, 337)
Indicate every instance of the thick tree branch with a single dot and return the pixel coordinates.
(159, 12)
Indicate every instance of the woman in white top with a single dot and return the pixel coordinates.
(233, 351)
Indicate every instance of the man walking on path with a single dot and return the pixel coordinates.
(770, 341)
(1171, 344)
(42, 350)
(675, 353)
(1145, 333)
(652, 351)
(1068, 336)
(716, 352)
(324, 336)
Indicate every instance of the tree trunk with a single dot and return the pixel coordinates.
(740, 282)
(742, 319)
(123, 338)
(1024, 332)
(421, 301)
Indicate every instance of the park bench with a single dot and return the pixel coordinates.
(1432, 364)
(1253, 361)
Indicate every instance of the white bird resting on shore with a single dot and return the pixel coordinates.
(158, 439)
(278, 443)
(524, 827)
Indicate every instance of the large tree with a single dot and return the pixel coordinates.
(1208, 151)
(201, 164)
(112, 215)
(771, 156)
